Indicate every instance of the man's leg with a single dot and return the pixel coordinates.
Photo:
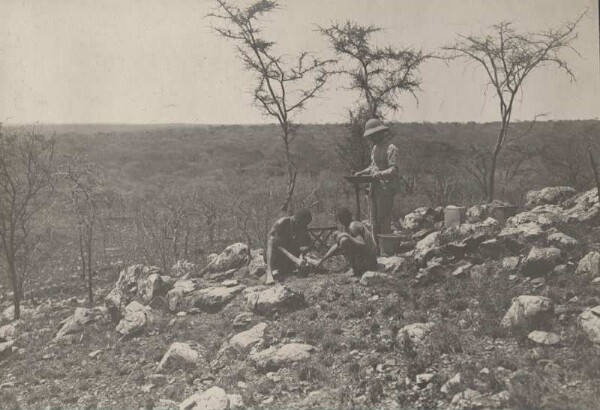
(271, 260)
(385, 205)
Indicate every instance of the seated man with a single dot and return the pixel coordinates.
(355, 243)
(287, 243)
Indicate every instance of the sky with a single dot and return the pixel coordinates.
(158, 61)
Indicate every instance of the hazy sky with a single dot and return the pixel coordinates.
(157, 61)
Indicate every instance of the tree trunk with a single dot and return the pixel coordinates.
(14, 280)
(494, 161)
(89, 267)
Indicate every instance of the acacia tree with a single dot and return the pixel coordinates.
(26, 177)
(379, 74)
(88, 195)
(508, 57)
(281, 89)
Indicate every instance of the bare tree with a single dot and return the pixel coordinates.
(25, 184)
(508, 57)
(379, 74)
(281, 89)
(89, 195)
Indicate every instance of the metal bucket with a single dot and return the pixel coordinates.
(389, 244)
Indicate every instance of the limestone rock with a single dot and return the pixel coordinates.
(75, 323)
(8, 332)
(417, 333)
(267, 300)
(467, 399)
(528, 231)
(181, 297)
(528, 311)
(418, 219)
(549, 196)
(214, 398)
(135, 319)
(562, 241)
(589, 322)
(233, 257)
(544, 338)
(6, 349)
(375, 279)
(244, 341)
(242, 320)
(136, 282)
(540, 261)
(275, 357)
(462, 270)
(213, 299)
(589, 265)
(426, 247)
(179, 355)
(8, 314)
(184, 268)
(392, 264)
(257, 266)
(511, 263)
(452, 384)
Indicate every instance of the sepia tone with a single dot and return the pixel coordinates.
(221, 204)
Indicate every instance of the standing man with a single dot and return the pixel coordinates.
(384, 168)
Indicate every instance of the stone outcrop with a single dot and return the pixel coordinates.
(267, 300)
(528, 311)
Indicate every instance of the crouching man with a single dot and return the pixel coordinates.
(355, 243)
(287, 245)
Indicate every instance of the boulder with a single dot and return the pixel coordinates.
(416, 333)
(589, 322)
(267, 300)
(75, 323)
(244, 341)
(545, 216)
(562, 241)
(589, 265)
(527, 231)
(479, 272)
(540, 261)
(549, 196)
(467, 399)
(134, 320)
(544, 338)
(233, 257)
(462, 270)
(8, 332)
(582, 207)
(511, 263)
(242, 320)
(136, 282)
(418, 219)
(452, 384)
(184, 268)
(392, 264)
(375, 279)
(6, 349)
(8, 314)
(275, 357)
(181, 297)
(214, 398)
(426, 247)
(528, 311)
(213, 299)
(257, 266)
(178, 356)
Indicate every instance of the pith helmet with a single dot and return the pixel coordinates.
(374, 126)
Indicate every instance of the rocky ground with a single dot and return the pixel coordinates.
(485, 315)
